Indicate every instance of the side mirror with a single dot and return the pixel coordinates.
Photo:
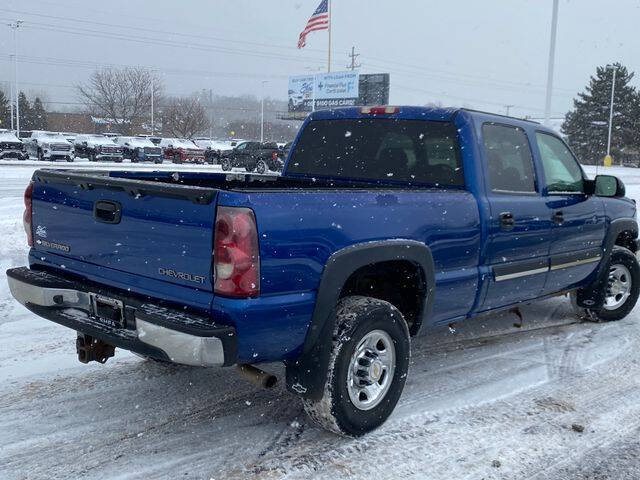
(609, 186)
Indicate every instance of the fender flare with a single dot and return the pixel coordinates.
(593, 295)
(307, 374)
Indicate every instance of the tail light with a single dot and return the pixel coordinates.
(236, 255)
(379, 110)
(28, 213)
(274, 156)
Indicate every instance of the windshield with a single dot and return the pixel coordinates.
(380, 149)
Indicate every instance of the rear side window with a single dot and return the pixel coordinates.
(509, 159)
(414, 151)
(561, 170)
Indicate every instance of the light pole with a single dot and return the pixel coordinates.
(152, 95)
(11, 95)
(14, 26)
(613, 91)
(552, 57)
(262, 113)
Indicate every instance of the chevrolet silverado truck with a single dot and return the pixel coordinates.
(97, 147)
(253, 156)
(387, 221)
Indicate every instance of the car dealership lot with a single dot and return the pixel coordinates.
(488, 401)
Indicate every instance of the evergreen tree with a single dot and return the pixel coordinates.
(39, 115)
(586, 126)
(5, 111)
(26, 113)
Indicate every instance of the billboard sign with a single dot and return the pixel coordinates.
(337, 89)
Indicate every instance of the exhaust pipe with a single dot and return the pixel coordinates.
(256, 376)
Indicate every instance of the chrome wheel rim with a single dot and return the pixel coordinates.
(262, 167)
(371, 370)
(618, 287)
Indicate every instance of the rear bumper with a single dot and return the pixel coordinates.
(150, 328)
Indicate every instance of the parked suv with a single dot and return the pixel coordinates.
(11, 146)
(253, 156)
(50, 146)
(97, 147)
(139, 149)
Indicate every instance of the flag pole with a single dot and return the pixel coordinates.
(329, 60)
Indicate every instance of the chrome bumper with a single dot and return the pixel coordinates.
(73, 308)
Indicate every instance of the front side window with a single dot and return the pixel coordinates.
(561, 170)
(509, 159)
(414, 151)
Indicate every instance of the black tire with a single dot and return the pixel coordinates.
(620, 256)
(225, 163)
(356, 319)
(158, 161)
(40, 156)
(249, 169)
(261, 167)
(69, 159)
(92, 157)
(176, 158)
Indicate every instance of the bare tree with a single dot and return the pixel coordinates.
(184, 117)
(123, 96)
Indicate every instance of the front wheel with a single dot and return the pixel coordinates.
(622, 289)
(226, 164)
(367, 368)
(261, 167)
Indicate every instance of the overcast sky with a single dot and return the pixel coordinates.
(484, 54)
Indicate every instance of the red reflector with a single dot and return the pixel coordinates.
(28, 213)
(236, 255)
(379, 110)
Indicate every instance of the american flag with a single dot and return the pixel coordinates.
(318, 21)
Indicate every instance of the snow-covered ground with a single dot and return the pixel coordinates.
(490, 401)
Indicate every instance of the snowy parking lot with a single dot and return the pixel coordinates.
(543, 397)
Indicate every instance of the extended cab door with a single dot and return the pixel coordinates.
(578, 219)
(519, 230)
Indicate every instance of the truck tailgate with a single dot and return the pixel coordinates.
(156, 230)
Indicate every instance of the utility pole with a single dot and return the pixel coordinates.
(552, 57)
(14, 26)
(507, 108)
(353, 57)
(613, 90)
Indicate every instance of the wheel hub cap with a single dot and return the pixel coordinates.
(371, 370)
(618, 287)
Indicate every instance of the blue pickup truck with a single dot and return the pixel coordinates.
(386, 221)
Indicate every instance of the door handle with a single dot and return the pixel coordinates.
(506, 221)
(558, 217)
(106, 211)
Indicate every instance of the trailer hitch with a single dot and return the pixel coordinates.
(93, 350)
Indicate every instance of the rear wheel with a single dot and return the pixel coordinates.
(367, 367)
(622, 289)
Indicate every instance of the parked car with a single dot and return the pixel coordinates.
(97, 147)
(139, 149)
(253, 156)
(11, 146)
(387, 220)
(180, 150)
(49, 146)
